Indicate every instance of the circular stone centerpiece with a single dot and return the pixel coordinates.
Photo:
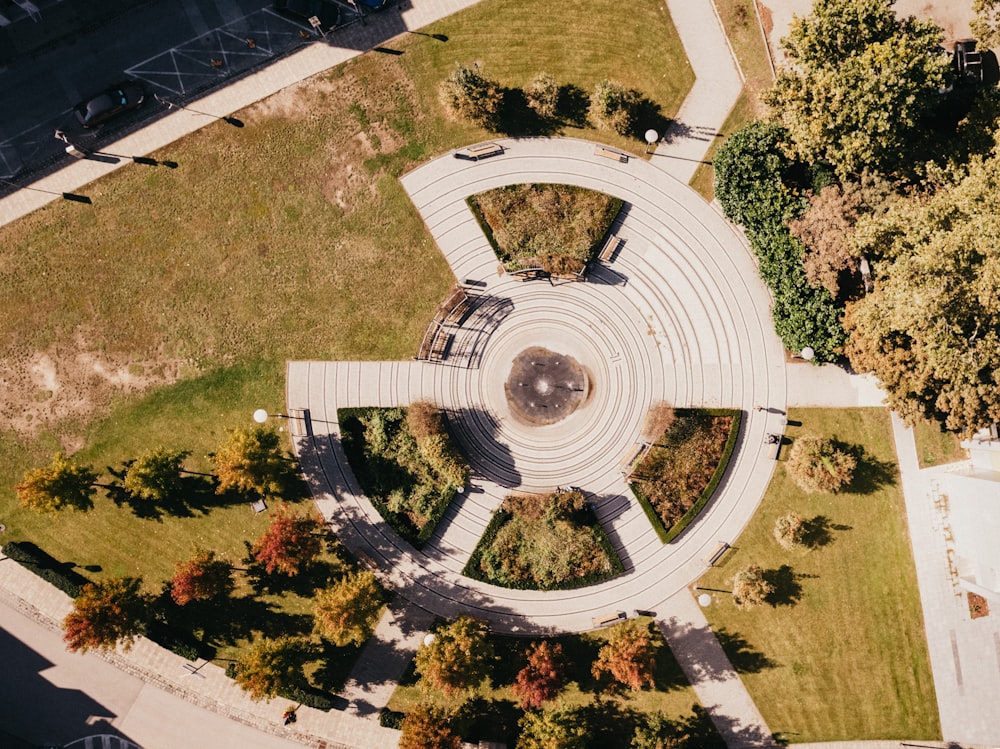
(545, 387)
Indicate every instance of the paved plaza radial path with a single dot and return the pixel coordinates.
(678, 315)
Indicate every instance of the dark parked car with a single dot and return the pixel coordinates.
(968, 61)
(109, 103)
(327, 11)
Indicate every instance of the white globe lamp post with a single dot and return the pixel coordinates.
(651, 137)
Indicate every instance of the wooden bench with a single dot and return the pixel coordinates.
(608, 619)
(439, 349)
(610, 248)
(484, 150)
(635, 458)
(259, 506)
(455, 307)
(366, 561)
(298, 422)
(773, 442)
(610, 153)
(717, 554)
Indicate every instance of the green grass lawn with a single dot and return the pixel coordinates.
(288, 238)
(672, 695)
(842, 655)
(740, 21)
(935, 446)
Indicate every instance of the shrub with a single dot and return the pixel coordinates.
(751, 587)
(818, 464)
(391, 718)
(177, 642)
(468, 94)
(790, 531)
(63, 576)
(307, 697)
(542, 94)
(427, 727)
(614, 107)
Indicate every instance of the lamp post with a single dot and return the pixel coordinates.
(651, 137)
(808, 353)
(261, 415)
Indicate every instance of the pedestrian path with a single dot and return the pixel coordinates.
(711, 674)
(964, 653)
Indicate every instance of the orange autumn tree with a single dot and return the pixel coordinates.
(201, 578)
(290, 542)
(106, 613)
(629, 655)
(541, 679)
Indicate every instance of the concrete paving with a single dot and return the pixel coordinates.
(964, 653)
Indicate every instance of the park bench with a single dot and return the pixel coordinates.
(259, 506)
(610, 248)
(717, 554)
(298, 422)
(484, 150)
(454, 308)
(773, 442)
(439, 349)
(366, 561)
(635, 458)
(608, 619)
(610, 153)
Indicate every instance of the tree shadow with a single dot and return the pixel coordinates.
(579, 653)
(816, 531)
(314, 576)
(871, 473)
(516, 118)
(786, 590)
(743, 656)
(483, 720)
(574, 103)
(667, 673)
(608, 723)
(334, 665)
(649, 115)
(511, 657)
(224, 621)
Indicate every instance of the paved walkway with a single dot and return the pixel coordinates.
(964, 653)
(679, 315)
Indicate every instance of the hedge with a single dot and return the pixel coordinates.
(665, 535)
(175, 641)
(500, 518)
(308, 697)
(60, 574)
(391, 718)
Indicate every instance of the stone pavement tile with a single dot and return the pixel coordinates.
(964, 654)
(711, 674)
(829, 386)
(385, 657)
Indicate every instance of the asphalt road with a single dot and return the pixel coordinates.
(176, 48)
(49, 696)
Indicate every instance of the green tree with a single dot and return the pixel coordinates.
(657, 731)
(250, 460)
(270, 666)
(818, 464)
(346, 613)
(751, 587)
(930, 331)
(428, 727)
(204, 577)
(290, 542)
(542, 94)
(861, 86)
(458, 658)
(986, 23)
(107, 613)
(614, 107)
(629, 656)
(58, 485)
(155, 475)
(470, 95)
(551, 729)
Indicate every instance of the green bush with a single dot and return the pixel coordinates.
(177, 642)
(391, 718)
(63, 576)
(308, 697)
(666, 535)
(410, 482)
(551, 542)
(558, 228)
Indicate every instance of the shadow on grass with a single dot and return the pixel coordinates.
(516, 118)
(608, 724)
(228, 620)
(579, 654)
(316, 575)
(816, 531)
(573, 105)
(480, 720)
(871, 473)
(786, 589)
(743, 656)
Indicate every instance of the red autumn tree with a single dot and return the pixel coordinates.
(629, 655)
(427, 727)
(541, 679)
(289, 543)
(201, 579)
(106, 613)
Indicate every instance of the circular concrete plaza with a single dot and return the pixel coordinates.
(677, 315)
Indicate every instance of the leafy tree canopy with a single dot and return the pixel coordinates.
(271, 665)
(862, 85)
(427, 727)
(289, 543)
(459, 657)
(202, 578)
(107, 613)
(250, 460)
(346, 613)
(629, 656)
(930, 331)
(542, 677)
(155, 475)
(58, 485)
(552, 729)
